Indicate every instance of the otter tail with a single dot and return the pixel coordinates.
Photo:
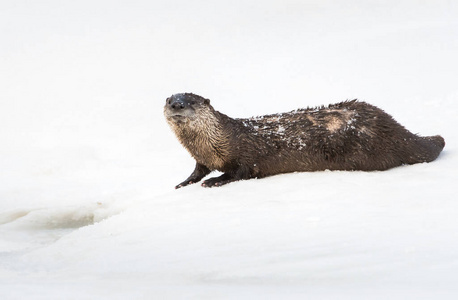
(428, 148)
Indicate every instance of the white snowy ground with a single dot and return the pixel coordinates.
(87, 164)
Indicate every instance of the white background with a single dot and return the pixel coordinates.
(88, 165)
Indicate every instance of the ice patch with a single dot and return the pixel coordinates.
(25, 229)
(54, 218)
(12, 216)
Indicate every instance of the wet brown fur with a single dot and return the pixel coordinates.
(350, 135)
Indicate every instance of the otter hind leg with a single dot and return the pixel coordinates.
(424, 149)
(199, 172)
(432, 146)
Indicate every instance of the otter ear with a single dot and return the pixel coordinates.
(206, 101)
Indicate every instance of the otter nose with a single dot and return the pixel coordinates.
(177, 105)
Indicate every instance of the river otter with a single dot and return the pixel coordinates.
(350, 135)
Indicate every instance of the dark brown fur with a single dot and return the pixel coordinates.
(350, 135)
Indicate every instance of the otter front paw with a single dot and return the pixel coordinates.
(199, 172)
(185, 183)
(218, 181)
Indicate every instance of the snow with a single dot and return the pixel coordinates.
(88, 163)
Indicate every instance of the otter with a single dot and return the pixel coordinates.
(350, 135)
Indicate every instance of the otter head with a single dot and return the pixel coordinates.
(183, 108)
